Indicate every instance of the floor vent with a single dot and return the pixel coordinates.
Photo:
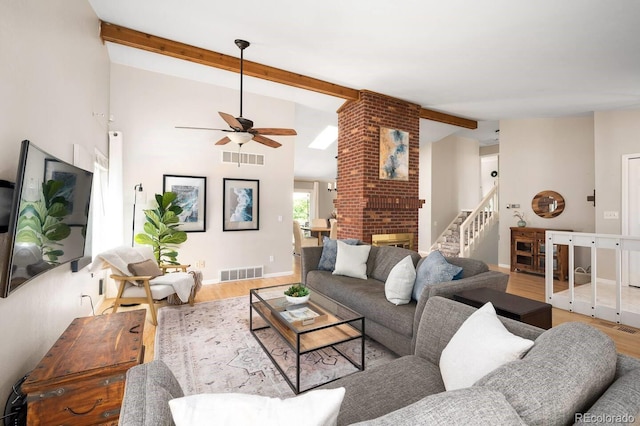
(620, 327)
(245, 158)
(247, 273)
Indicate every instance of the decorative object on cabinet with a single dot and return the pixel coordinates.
(191, 192)
(240, 204)
(520, 215)
(528, 252)
(547, 204)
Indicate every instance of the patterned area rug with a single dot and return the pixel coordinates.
(209, 349)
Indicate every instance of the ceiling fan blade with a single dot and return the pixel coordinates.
(231, 121)
(266, 141)
(200, 128)
(274, 132)
(223, 141)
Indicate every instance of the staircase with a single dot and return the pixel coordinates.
(466, 229)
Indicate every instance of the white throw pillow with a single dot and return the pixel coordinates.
(481, 344)
(351, 261)
(318, 407)
(399, 284)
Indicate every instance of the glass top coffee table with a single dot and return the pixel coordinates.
(312, 326)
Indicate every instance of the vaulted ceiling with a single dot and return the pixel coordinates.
(483, 61)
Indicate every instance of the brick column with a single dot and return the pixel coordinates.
(365, 203)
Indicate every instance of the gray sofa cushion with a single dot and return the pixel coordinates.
(365, 297)
(566, 370)
(463, 407)
(384, 258)
(618, 404)
(380, 390)
(148, 389)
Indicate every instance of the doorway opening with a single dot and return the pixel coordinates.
(302, 207)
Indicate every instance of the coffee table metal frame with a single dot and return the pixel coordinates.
(336, 325)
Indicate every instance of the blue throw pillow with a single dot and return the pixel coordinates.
(330, 251)
(431, 270)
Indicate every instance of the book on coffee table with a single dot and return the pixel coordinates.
(305, 315)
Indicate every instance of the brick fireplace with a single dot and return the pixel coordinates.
(366, 204)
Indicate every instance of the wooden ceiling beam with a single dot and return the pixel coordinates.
(163, 46)
(448, 119)
(132, 38)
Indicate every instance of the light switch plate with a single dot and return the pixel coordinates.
(611, 215)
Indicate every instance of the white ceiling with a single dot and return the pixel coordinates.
(487, 61)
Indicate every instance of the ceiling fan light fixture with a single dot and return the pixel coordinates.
(240, 137)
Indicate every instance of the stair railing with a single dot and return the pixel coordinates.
(486, 213)
(447, 229)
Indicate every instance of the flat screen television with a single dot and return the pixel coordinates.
(47, 223)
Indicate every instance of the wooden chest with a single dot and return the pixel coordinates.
(80, 381)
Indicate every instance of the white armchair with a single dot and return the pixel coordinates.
(141, 280)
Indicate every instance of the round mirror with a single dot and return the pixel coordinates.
(547, 204)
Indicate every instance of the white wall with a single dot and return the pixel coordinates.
(488, 164)
(424, 193)
(55, 74)
(147, 106)
(546, 154)
(616, 133)
(454, 181)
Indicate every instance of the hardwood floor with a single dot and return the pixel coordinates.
(627, 339)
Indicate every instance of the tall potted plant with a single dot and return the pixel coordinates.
(161, 229)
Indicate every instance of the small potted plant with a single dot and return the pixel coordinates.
(297, 293)
(520, 216)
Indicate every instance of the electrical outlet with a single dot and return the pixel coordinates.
(271, 258)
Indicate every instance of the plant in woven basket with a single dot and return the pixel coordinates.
(161, 229)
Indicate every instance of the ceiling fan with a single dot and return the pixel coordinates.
(242, 130)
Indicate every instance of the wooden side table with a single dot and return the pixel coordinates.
(509, 305)
(80, 381)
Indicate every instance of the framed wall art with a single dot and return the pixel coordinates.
(240, 204)
(192, 197)
(394, 154)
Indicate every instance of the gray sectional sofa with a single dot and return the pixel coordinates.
(393, 326)
(571, 374)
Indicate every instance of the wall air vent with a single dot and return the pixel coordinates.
(236, 274)
(244, 157)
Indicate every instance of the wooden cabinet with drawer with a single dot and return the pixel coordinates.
(80, 381)
(528, 252)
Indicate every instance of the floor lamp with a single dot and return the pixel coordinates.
(136, 189)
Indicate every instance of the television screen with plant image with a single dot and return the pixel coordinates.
(48, 219)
